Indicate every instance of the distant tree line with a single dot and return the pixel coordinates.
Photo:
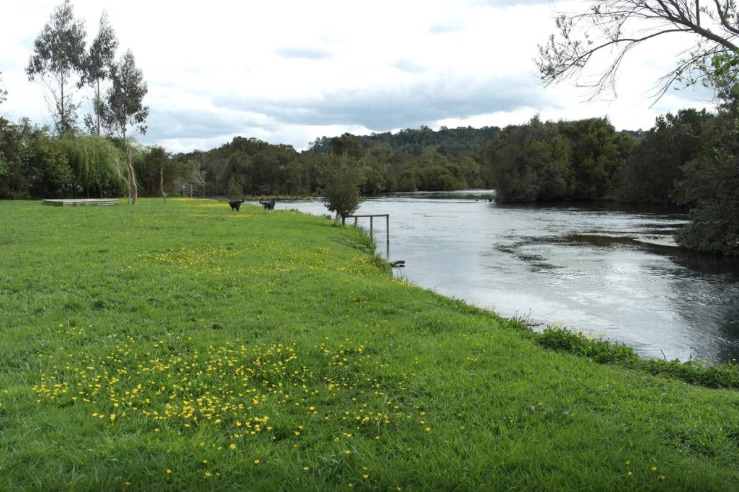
(449, 142)
(688, 159)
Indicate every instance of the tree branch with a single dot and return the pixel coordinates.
(624, 24)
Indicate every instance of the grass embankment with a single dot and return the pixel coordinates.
(182, 346)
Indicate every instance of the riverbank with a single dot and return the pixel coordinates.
(184, 346)
(586, 266)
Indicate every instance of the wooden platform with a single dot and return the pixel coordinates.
(82, 201)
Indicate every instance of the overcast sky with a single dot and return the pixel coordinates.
(290, 71)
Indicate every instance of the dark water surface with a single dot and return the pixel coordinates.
(606, 271)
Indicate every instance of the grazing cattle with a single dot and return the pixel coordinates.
(236, 204)
(268, 205)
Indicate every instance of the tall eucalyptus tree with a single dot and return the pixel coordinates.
(58, 57)
(97, 66)
(125, 110)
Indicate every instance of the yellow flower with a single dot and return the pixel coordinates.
(232, 446)
(169, 471)
(256, 462)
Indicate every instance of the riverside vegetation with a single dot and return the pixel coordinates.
(182, 346)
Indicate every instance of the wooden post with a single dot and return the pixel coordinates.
(372, 226)
(387, 235)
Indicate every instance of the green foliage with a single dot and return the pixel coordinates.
(655, 166)
(97, 67)
(59, 53)
(530, 163)
(449, 142)
(98, 166)
(340, 180)
(157, 172)
(714, 219)
(606, 352)
(695, 372)
(125, 108)
(598, 350)
(711, 184)
(596, 157)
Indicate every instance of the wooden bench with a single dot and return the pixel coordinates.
(82, 201)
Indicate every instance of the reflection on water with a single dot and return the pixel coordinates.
(608, 271)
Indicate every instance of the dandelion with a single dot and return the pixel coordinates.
(232, 446)
(256, 462)
(169, 472)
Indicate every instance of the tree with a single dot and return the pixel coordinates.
(95, 163)
(711, 184)
(340, 181)
(347, 144)
(97, 66)
(125, 109)
(655, 165)
(595, 157)
(612, 28)
(530, 163)
(58, 55)
(3, 92)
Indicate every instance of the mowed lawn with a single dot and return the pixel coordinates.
(184, 346)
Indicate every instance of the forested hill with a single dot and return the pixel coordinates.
(449, 142)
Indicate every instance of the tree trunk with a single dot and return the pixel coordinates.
(161, 183)
(132, 178)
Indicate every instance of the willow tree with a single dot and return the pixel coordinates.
(57, 60)
(609, 30)
(125, 111)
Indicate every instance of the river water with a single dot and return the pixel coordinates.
(610, 272)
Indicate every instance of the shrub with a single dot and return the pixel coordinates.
(606, 352)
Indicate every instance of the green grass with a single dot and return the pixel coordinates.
(182, 346)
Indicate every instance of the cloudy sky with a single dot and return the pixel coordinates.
(290, 71)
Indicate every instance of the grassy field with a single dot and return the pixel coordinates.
(182, 346)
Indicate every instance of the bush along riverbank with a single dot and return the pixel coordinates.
(186, 346)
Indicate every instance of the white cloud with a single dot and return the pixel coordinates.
(289, 71)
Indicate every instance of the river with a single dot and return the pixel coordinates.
(607, 271)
